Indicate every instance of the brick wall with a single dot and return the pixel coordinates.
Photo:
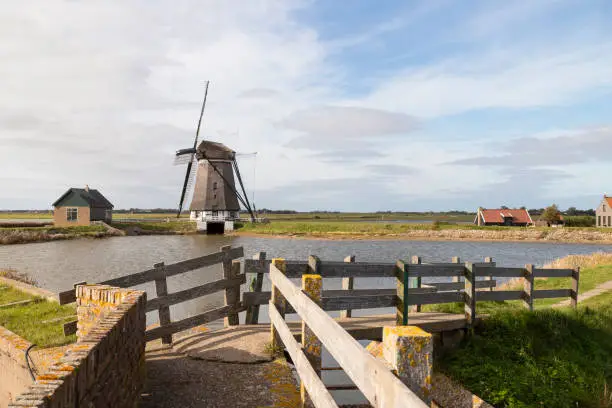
(14, 373)
(105, 367)
(60, 217)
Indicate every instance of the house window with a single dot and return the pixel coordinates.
(72, 214)
(599, 220)
(609, 219)
(604, 208)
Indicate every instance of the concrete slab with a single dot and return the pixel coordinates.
(238, 344)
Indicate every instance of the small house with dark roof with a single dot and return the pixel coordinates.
(503, 217)
(81, 206)
(604, 212)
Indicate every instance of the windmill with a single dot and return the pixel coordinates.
(210, 172)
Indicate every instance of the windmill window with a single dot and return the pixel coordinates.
(215, 213)
(215, 185)
(72, 214)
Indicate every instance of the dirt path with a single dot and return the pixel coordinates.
(602, 288)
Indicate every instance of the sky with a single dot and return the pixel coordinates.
(350, 105)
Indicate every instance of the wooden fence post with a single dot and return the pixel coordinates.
(313, 264)
(489, 259)
(528, 284)
(232, 294)
(456, 279)
(417, 261)
(470, 294)
(252, 314)
(280, 302)
(347, 284)
(161, 289)
(311, 286)
(409, 351)
(401, 316)
(575, 282)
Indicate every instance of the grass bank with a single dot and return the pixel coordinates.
(547, 358)
(39, 322)
(433, 231)
(144, 227)
(24, 235)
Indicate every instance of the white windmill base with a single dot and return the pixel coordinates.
(204, 219)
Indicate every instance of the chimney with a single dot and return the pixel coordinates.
(87, 187)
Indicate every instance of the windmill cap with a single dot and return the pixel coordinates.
(215, 151)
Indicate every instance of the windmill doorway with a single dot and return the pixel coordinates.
(215, 228)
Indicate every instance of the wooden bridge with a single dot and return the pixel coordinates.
(382, 381)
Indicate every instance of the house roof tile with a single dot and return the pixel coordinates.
(93, 197)
(497, 215)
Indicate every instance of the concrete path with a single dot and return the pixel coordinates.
(602, 288)
(225, 368)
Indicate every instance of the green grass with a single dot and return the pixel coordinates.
(171, 226)
(27, 320)
(547, 358)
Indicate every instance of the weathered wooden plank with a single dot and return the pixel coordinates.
(348, 284)
(312, 285)
(188, 323)
(575, 282)
(500, 295)
(416, 260)
(308, 376)
(528, 281)
(150, 275)
(377, 383)
(252, 314)
(552, 273)
(433, 298)
(446, 286)
(435, 270)
(469, 293)
(161, 290)
(193, 293)
(295, 269)
(501, 272)
(552, 293)
(70, 328)
(359, 302)
(278, 300)
(231, 269)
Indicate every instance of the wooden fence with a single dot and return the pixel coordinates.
(230, 284)
(370, 375)
(410, 293)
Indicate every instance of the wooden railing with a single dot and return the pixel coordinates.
(371, 376)
(410, 293)
(230, 284)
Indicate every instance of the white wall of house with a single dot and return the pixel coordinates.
(603, 214)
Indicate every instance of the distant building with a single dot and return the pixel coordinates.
(507, 217)
(541, 222)
(603, 213)
(81, 206)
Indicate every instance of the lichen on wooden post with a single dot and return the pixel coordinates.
(278, 300)
(489, 260)
(232, 294)
(470, 294)
(401, 269)
(409, 351)
(312, 286)
(528, 283)
(348, 284)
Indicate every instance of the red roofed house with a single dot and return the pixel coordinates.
(509, 217)
(604, 212)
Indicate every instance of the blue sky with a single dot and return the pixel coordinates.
(356, 106)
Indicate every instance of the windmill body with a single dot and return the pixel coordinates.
(215, 202)
(215, 205)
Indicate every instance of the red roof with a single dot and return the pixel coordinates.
(497, 216)
(609, 200)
